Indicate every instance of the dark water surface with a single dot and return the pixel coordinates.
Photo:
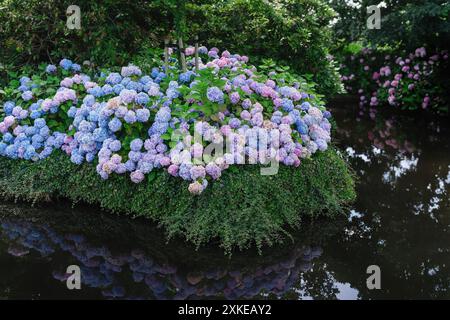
(399, 222)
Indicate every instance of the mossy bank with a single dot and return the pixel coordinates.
(240, 209)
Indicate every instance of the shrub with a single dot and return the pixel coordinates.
(405, 25)
(240, 209)
(294, 32)
(111, 31)
(136, 123)
(413, 81)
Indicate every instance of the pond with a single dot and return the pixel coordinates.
(400, 222)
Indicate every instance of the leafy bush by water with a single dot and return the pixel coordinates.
(241, 209)
(417, 80)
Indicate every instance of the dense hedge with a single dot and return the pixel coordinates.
(240, 209)
(114, 32)
(405, 24)
(296, 33)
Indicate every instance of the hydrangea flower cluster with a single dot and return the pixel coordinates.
(134, 123)
(405, 82)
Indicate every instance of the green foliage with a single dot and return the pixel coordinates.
(293, 32)
(413, 24)
(405, 24)
(284, 74)
(113, 32)
(240, 209)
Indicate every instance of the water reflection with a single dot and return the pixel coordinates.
(401, 219)
(133, 270)
(401, 222)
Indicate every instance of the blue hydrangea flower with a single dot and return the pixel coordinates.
(115, 145)
(145, 80)
(142, 115)
(8, 107)
(287, 105)
(295, 115)
(8, 137)
(107, 89)
(113, 78)
(127, 96)
(155, 73)
(76, 158)
(305, 106)
(115, 125)
(66, 64)
(163, 115)
(186, 77)
(76, 67)
(136, 145)
(39, 123)
(96, 91)
(158, 128)
(234, 123)
(142, 98)
(118, 88)
(214, 94)
(130, 117)
(27, 95)
(89, 100)
(50, 68)
(302, 128)
(24, 80)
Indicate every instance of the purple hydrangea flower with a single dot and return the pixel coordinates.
(50, 68)
(214, 94)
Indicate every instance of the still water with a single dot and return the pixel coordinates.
(400, 222)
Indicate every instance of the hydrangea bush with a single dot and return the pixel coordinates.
(412, 81)
(128, 121)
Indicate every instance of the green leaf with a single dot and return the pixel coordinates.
(151, 176)
(165, 136)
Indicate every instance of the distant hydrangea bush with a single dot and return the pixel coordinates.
(405, 81)
(133, 122)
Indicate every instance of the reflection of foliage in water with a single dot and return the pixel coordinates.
(402, 213)
(127, 272)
